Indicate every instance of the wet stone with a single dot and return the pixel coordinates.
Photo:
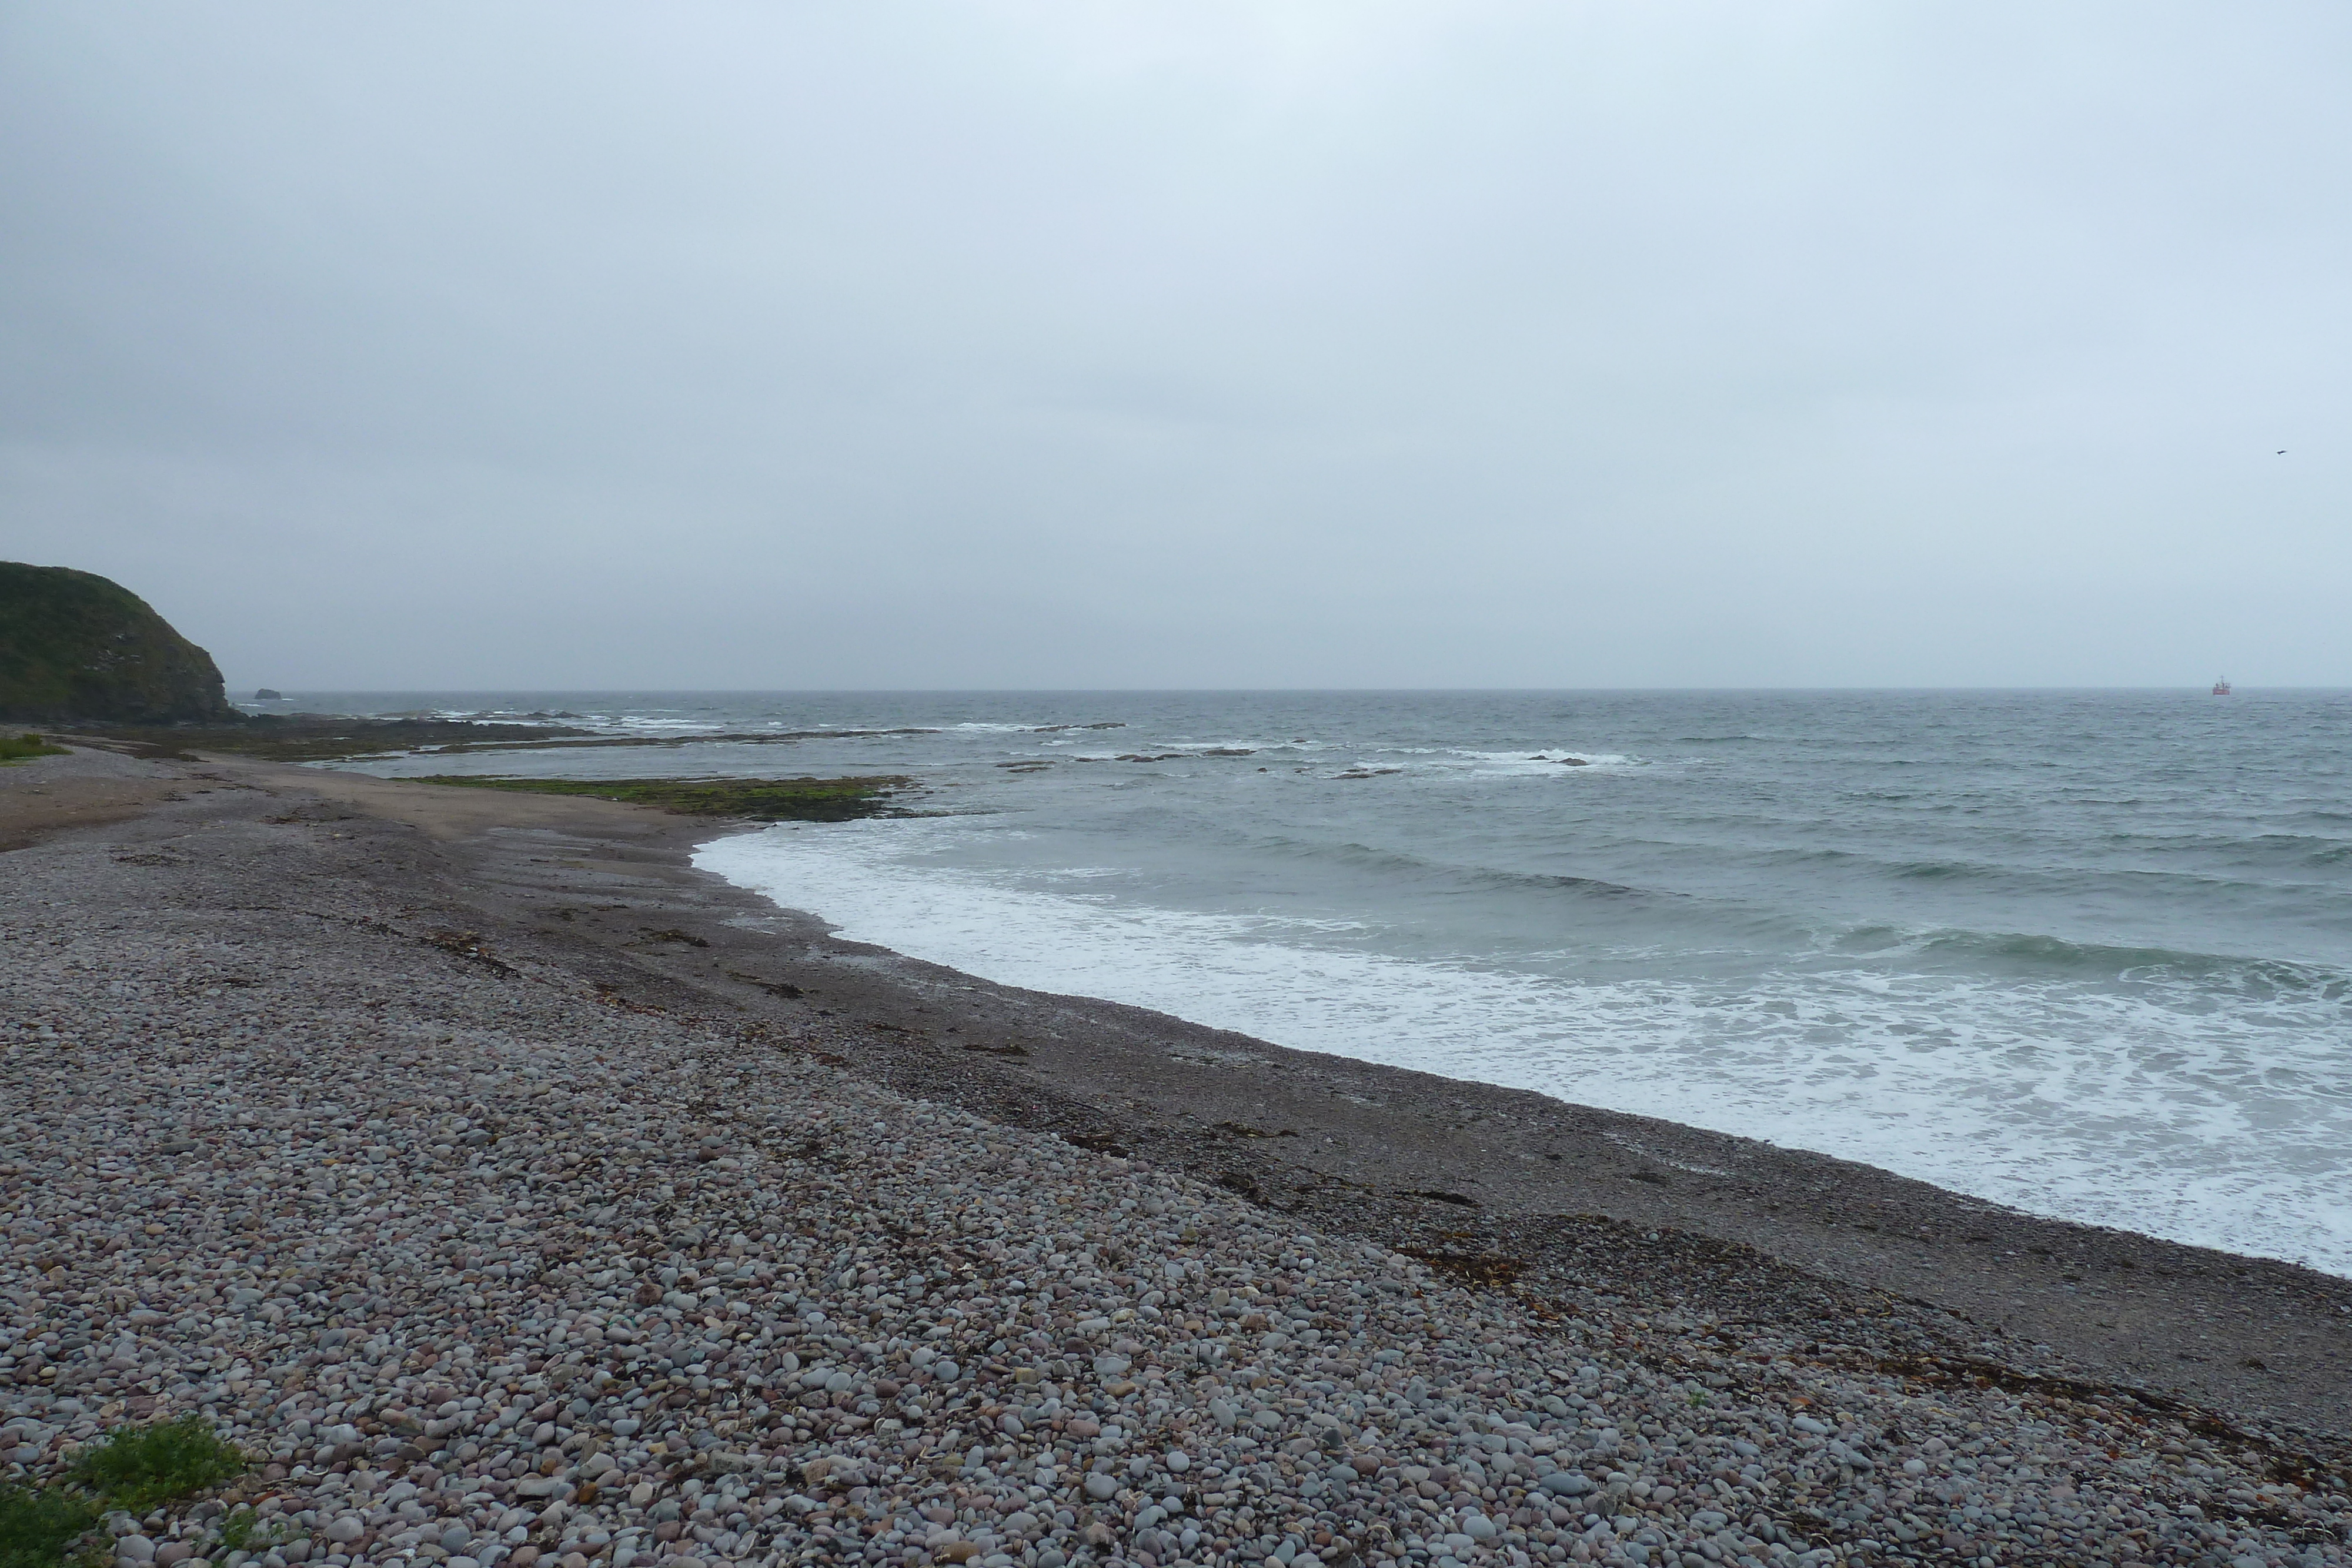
(456, 1226)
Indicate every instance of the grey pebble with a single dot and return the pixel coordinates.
(483, 1265)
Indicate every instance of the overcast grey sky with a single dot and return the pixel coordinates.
(1077, 343)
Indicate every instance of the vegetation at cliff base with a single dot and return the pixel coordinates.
(17, 748)
(759, 800)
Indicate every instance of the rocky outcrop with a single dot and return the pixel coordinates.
(74, 646)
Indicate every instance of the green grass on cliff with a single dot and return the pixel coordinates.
(760, 799)
(76, 646)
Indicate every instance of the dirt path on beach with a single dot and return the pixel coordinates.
(44, 795)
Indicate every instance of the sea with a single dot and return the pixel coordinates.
(2084, 953)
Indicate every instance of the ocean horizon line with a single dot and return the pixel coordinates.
(2195, 688)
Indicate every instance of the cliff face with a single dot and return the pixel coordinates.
(74, 646)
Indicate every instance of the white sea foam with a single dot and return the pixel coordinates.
(2134, 1108)
(633, 723)
(1556, 759)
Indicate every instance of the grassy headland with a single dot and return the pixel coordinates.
(75, 646)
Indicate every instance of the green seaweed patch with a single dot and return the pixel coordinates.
(758, 799)
(318, 737)
(19, 747)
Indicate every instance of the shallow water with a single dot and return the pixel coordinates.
(2087, 953)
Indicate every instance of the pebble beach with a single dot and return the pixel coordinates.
(484, 1263)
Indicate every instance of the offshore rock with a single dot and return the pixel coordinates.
(74, 646)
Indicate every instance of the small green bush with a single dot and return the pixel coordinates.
(246, 1531)
(134, 1469)
(36, 1525)
(138, 1467)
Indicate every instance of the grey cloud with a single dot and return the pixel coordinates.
(1062, 345)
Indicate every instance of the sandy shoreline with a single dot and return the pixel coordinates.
(1778, 1271)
